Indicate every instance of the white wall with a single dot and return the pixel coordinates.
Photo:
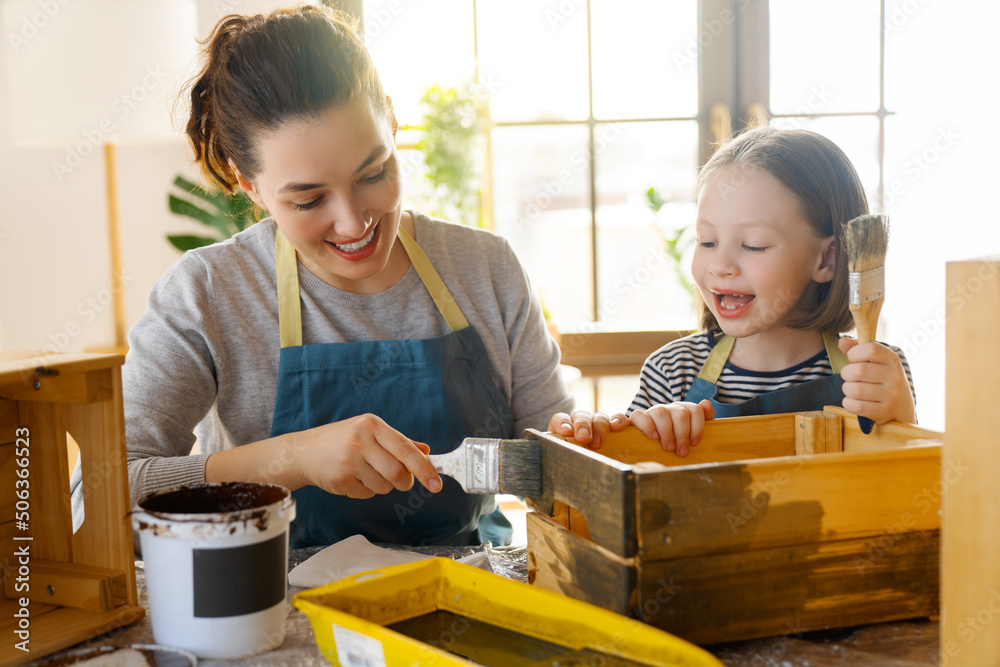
(55, 276)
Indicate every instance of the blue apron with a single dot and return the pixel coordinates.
(804, 397)
(437, 391)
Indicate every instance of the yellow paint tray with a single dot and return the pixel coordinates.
(468, 616)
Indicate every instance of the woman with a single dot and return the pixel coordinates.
(331, 346)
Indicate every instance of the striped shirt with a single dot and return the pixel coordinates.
(669, 373)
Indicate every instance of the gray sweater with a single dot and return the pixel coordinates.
(205, 353)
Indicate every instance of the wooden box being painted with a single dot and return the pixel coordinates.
(61, 587)
(773, 525)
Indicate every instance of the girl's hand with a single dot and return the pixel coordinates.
(587, 429)
(362, 456)
(678, 426)
(875, 383)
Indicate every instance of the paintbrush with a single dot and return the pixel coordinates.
(867, 239)
(491, 465)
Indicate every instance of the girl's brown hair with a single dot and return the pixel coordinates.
(261, 71)
(827, 186)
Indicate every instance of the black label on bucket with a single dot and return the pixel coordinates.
(241, 580)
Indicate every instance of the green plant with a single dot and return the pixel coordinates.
(450, 127)
(225, 214)
(675, 242)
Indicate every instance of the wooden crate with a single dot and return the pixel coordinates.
(72, 586)
(773, 525)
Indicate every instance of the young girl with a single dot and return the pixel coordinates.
(771, 271)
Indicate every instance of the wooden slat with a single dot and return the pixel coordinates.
(883, 436)
(50, 522)
(20, 366)
(561, 561)
(8, 421)
(764, 503)
(600, 487)
(597, 353)
(733, 439)
(818, 433)
(67, 584)
(790, 590)
(105, 538)
(971, 580)
(63, 387)
(64, 627)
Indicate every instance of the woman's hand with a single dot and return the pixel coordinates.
(586, 428)
(678, 426)
(875, 383)
(357, 457)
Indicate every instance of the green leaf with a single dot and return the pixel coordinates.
(218, 222)
(185, 242)
(218, 199)
(655, 201)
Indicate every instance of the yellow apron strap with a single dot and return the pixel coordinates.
(432, 281)
(837, 358)
(716, 361)
(289, 305)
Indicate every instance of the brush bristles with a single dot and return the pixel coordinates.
(520, 468)
(867, 240)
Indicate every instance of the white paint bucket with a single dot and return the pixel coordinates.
(216, 560)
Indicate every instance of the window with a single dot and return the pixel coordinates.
(592, 102)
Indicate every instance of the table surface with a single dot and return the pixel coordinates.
(901, 644)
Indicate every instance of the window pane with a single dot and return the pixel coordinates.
(533, 59)
(637, 279)
(541, 179)
(416, 44)
(657, 74)
(824, 56)
(857, 136)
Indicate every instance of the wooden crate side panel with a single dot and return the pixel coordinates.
(50, 523)
(721, 508)
(8, 480)
(791, 590)
(600, 488)
(105, 537)
(732, 439)
(562, 561)
(970, 628)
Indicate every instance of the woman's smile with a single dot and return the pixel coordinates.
(363, 248)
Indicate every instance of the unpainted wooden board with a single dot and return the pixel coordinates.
(791, 590)
(765, 503)
(970, 624)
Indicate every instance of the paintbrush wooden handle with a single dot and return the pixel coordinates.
(866, 319)
(866, 322)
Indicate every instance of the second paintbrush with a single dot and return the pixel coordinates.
(489, 465)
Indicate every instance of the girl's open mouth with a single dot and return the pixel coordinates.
(732, 304)
(363, 248)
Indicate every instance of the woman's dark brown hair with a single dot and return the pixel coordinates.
(827, 186)
(262, 71)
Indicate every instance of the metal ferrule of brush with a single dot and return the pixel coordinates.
(482, 465)
(865, 286)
